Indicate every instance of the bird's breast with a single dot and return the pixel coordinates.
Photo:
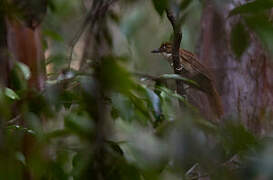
(167, 55)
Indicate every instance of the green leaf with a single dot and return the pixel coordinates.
(239, 39)
(179, 97)
(184, 4)
(115, 77)
(154, 101)
(11, 94)
(25, 70)
(178, 77)
(160, 6)
(131, 24)
(123, 106)
(57, 59)
(261, 25)
(20, 157)
(21, 128)
(53, 35)
(235, 138)
(79, 124)
(252, 7)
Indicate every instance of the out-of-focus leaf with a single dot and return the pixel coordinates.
(115, 77)
(239, 39)
(18, 81)
(45, 44)
(184, 4)
(160, 6)
(58, 59)
(141, 107)
(11, 94)
(166, 105)
(131, 24)
(252, 7)
(236, 138)
(67, 98)
(178, 77)
(123, 106)
(53, 35)
(79, 124)
(20, 157)
(144, 149)
(21, 128)
(261, 25)
(114, 17)
(25, 69)
(38, 104)
(154, 101)
(179, 97)
(58, 133)
(130, 107)
(115, 146)
(51, 5)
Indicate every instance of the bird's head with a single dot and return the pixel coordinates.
(165, 49)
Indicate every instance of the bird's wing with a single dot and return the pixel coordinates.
(196, 65)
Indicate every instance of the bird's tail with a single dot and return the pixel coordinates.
(215, 101)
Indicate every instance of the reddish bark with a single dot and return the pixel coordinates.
(25, 46)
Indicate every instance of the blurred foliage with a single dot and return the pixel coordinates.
(239, 39)
(256, 16)
(144, 133)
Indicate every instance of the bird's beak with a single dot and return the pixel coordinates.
(156, 51)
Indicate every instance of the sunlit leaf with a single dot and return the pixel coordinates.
(253, 7)
(21, 128)
(178, 77)
(20, 157)
(11, 94)
(239, 39)
(154, 100)
(25, 70)
(179, 97)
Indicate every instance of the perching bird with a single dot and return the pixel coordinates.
(191, 68)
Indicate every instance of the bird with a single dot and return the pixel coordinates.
(191, 68)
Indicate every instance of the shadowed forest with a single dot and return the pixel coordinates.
(136, 89)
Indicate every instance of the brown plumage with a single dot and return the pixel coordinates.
(193, 69)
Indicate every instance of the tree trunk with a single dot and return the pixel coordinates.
(245, 83)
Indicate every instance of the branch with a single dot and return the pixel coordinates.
(97, 11)
(175, 51)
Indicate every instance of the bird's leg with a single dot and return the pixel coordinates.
(180, 68)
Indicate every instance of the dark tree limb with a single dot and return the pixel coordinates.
(177, 38)
(96, 12)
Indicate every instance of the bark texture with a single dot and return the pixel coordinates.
(245, 84)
